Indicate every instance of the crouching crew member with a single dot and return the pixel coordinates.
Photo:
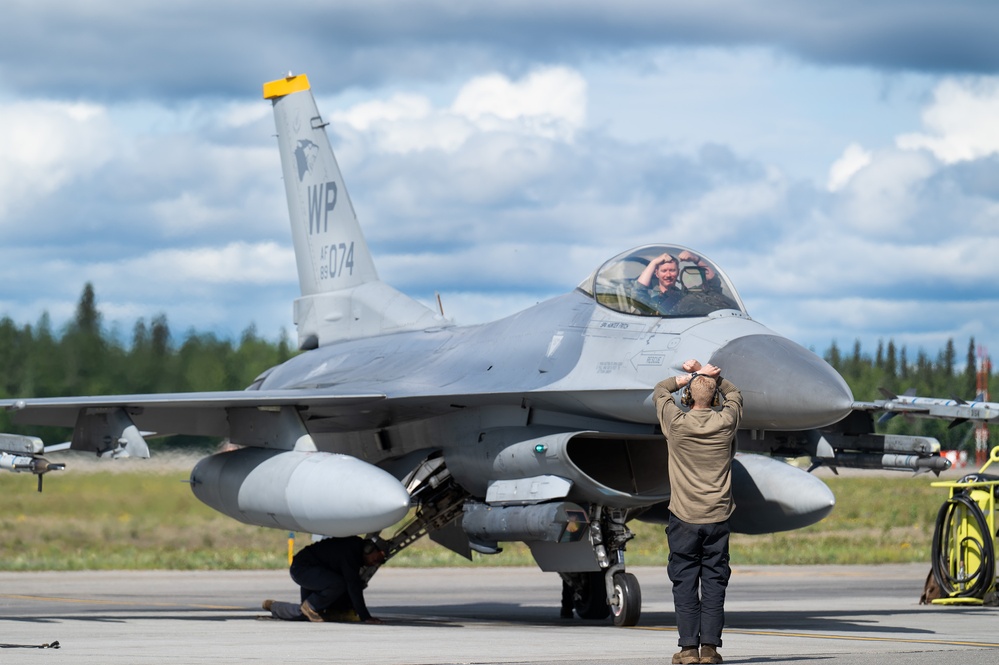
(329, 574)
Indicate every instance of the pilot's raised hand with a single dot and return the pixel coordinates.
(687, 255)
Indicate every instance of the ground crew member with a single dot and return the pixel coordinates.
(701, 446)
(329, 574)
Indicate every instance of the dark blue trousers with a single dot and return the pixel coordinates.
(323, 587)
(699, 569)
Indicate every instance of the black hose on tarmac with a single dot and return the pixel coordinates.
(978, 581)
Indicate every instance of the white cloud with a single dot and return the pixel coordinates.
(853, 159)
(243, 114)
(881, 200)
(47, 144)
(396, 108)
(548, 103)
(235, 263)
(961, 122)
(406, 124)
(730, 209)
(218, 189)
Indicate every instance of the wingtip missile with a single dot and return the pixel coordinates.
(955, 410)
(20, 454)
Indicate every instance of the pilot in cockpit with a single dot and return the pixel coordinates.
(664, 295)
(660, 280)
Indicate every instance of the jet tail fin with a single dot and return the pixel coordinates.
(342, 297)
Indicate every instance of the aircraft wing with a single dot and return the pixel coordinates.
(955, 410)
(852, 442)
(324, 409)
(198, 413)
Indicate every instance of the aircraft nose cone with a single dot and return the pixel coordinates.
(784, 386)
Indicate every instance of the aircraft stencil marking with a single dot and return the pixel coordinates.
(553, 346)
(305, 156)
(333, 266)
(650, 359)
(322, 201)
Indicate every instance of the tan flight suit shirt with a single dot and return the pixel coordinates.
(701, 444)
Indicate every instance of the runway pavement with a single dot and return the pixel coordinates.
(824, 615)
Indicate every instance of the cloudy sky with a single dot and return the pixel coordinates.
(839, 160)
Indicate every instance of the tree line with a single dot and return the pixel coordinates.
(893, 369)
(84, 358)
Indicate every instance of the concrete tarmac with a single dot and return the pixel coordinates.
(775, 614)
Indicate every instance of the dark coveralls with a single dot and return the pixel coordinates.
(328, 572)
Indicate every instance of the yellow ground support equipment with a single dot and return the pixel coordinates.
(964, 539)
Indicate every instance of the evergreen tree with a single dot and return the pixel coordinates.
(856, 361)
(832, 356)
(891, 365)
(971, 370)
(85, 349)
(12, 349)
(947, 360)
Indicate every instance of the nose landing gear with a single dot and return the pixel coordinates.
(611, 591)
(626, 601)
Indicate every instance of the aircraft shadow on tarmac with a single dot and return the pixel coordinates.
(858, 622)
(454, 615)
(839, 621)
(125, 615)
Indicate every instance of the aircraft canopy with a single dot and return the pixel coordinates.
(699, 289)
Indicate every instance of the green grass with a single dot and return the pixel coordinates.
(130, 517)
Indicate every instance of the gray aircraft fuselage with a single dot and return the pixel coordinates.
(572, 356)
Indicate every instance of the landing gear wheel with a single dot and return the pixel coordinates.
(626, 606)
(591, 597)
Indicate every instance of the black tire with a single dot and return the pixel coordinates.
(627, 604)
(591, 597)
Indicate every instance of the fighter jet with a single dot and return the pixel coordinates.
(539, 427)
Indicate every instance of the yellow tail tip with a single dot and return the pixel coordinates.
(286, 86)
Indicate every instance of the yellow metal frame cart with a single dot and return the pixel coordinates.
(964, 539)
